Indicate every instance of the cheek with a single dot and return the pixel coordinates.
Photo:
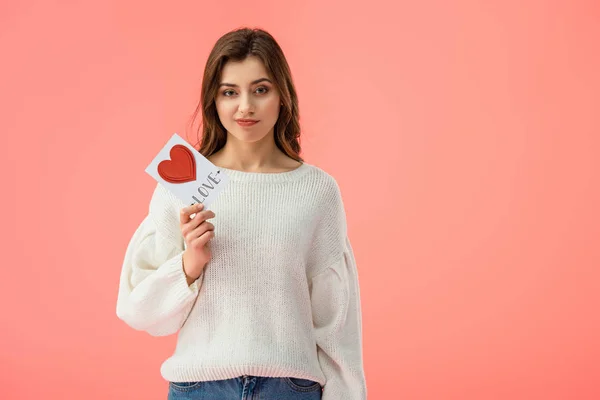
(225, 109)
(272, 105)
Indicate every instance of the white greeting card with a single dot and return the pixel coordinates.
(186, 173)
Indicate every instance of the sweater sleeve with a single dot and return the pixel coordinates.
(153, 292)
(337, 322)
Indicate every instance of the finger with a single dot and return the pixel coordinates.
(195, 233)
(203, 239)
(184, 214)
(200, 218)
(193, 223)
(204, 227)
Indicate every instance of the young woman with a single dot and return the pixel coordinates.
(264, 296)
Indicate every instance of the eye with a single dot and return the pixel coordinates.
(263, 87)
(225, 92)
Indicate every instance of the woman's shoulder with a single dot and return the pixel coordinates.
(324, 178)
(325, 189)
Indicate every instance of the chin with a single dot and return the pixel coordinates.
(249, 137)
(245, 135)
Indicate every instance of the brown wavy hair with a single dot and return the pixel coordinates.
(236, 46)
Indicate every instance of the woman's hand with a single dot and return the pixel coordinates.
(196, 231)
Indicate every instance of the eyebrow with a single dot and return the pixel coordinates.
(252, 83)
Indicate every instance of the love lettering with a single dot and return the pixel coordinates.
(205, 189)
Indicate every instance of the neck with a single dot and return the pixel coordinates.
(255, 156)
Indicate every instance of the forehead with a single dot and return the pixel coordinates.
(243, 72)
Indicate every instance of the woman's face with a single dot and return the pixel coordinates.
(246, 92)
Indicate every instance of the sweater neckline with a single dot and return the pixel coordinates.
(271, 177)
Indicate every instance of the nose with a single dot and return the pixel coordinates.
(246, 105)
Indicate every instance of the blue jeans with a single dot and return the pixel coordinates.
(247, 387)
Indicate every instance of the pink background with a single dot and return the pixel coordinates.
(464, 136)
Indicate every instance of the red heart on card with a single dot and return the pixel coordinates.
(180, 168)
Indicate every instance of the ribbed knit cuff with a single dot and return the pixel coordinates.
(173, 270)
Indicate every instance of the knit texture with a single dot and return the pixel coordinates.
(279, 298)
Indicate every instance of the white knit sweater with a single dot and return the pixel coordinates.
(279, 298)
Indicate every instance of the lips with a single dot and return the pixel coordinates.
(246, 122)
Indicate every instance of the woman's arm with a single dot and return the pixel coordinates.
(154, 293)
(337, 325)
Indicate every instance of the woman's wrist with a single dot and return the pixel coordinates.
(189, 279)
